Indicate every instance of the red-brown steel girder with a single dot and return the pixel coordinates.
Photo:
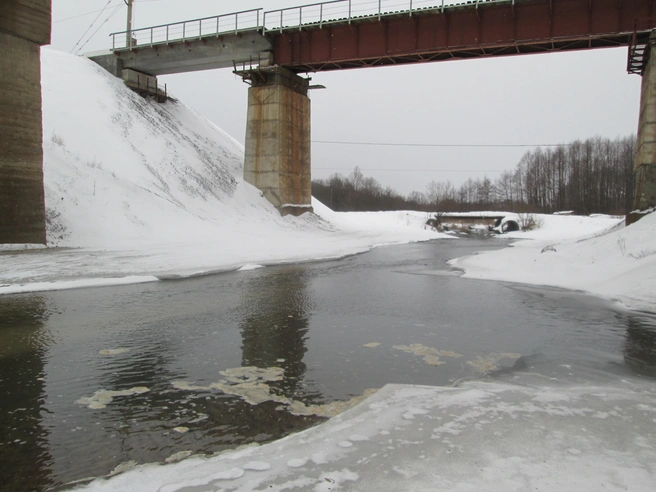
(466, 31)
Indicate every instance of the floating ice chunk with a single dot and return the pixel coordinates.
(250, 384)
(249, 266)
(102, 398)
(181, 429)
(115, 351)
(372, 344)
(431, 355)
(185, 386)
(251, 392)
(490, 363)
(329, 409)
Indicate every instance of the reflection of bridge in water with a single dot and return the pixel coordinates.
(270, 48)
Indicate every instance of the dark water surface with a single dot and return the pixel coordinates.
(336, 329)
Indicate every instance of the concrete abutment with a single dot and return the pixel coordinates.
(277, 157)
(24, 27)
(645, 161)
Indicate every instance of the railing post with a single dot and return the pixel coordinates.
(300, 18)
(200, 28)
(151, 36)
(349, 16)
(113, 41)
(321, 16)
(280, 20)
(263, 23)
(258, 20)
(380, 8)
(236, 22)
(167, 34)
(410, 8)
(184, 31)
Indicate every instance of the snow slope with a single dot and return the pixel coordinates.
(618, 262)
(149, 190)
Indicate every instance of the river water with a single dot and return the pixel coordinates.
(93, 379)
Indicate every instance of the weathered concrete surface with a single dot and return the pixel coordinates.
(24, 25)
(277, 159)
(190, 56)
(645, 162)
(28, 19)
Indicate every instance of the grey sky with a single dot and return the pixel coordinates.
(548, 98)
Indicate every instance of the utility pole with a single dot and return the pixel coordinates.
(128, 38)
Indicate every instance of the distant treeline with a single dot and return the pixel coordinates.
(593, 176)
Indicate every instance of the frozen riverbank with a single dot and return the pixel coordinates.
(483, 436)
(614, 262)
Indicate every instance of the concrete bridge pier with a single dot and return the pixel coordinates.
(277, 159)
(645, 161)
(24, 27)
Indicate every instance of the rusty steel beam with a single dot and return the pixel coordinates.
(470, 30)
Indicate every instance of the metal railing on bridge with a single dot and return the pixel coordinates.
(338, 11)
(190, 30)
(310, 15)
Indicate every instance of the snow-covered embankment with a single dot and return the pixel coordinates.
(596, 255)
(149, 190)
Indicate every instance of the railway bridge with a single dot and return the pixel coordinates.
(272, 50)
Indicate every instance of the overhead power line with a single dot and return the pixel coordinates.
(400, 144)
(77, 16)
(412, 170)
(91, 25)
(99, 27)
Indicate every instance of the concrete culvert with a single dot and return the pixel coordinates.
(510, 226)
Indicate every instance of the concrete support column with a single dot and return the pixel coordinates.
(277, 159)
(24, 27)
(645, 162)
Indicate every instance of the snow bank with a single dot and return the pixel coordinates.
(146, 190)
(482, 436)
(596, 254)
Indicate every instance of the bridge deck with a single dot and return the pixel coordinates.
(344, 34)
(465, 31)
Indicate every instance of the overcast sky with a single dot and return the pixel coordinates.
(520, 100)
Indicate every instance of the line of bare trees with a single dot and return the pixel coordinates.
(359, 193)
(591, 176)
